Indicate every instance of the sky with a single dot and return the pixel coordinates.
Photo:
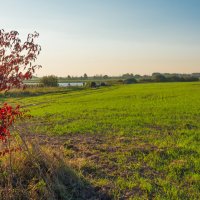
(110, 37)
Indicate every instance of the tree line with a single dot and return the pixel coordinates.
(127, 78)
(154, 77)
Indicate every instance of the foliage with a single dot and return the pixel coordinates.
(93, 85)
(103, 84)
(159, 78)
(130, 81)
(8, 114)
(127, 76)
(16, 60)
(85, 76)
(49, 81)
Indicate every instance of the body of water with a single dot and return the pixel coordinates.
(70, 84)
(73, 84)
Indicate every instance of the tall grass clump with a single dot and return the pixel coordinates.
(38, 173)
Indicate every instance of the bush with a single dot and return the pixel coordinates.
(49, 81)
(146, 80)
(16, 59)
(103, 84)
(120, 81)
(191, 79)
(130, 81)
(159, 78)
(93, 85)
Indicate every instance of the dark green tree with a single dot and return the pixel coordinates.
(49, 81)
(85, 76)
(130, 81)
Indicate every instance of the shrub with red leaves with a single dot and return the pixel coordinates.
(8, 114)
(16, 60)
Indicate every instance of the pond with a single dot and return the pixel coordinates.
(71, 84)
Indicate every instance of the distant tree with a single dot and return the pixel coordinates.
(49, 81)
(105, 76)
(197, 75)
(98, 76)
(146, 80)
(137, 76)
(191, 79)
(127, 75)
(120, 81)
(93, 85)
(174, 78)
(69, 77)
(130, 81)
(155, 74)
(159, 78)
(85, 76)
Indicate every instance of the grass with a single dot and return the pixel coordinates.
(127, 141)
(40, 173)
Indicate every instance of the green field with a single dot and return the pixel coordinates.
(128, 141)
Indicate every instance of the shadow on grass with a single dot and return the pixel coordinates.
(42, 174)
(38, 92)
(77, 188)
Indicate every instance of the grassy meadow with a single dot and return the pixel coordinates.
(137, 141)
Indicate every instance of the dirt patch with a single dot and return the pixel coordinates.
(103, 159)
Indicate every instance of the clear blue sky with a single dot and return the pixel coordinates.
(109, 36)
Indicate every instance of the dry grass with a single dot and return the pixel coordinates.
(40, 173)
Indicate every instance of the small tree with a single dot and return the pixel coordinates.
(49, 81)
(85, 76)
(16, 60)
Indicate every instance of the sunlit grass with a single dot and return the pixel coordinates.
(133, 141)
